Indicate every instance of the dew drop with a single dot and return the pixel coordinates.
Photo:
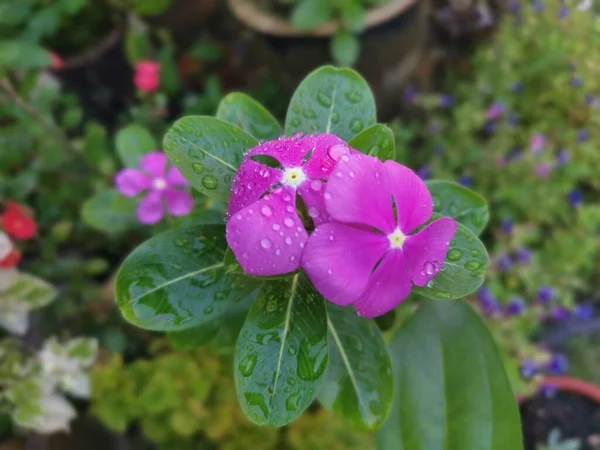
(351, 174)
(288, 240)
(288, 222)
(313, 212)
(209, 182)
(327, 196)
(276, 226)
(198, 168)
(339, 174)
(329, 271)
(290, 208)
(265, 243)
(266, 211)
(337, 150)
(472, 265)
(315, 185)
(356, 125)
(455, 254)
(239, 217)
(278, 251)
(353, 96)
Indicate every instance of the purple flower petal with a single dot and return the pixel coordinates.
(312, 195)
(174, 177)
(179, 203)
(332, 263)
(288, 151)
(150, 210)
(327, 149)
(414, 205)
(131, 182)
(426, 250)
(154, 163)
(268, 237)
(387, 287)
(358, 192)
(251, 181)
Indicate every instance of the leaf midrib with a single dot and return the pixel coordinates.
(216, 158)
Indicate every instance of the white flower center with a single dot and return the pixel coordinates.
(294, 177)
(396, 238)
(159, 184)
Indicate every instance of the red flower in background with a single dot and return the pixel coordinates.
(57, 62)
(17, 222)
(147, 76)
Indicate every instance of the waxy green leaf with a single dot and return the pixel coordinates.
(359, 385)
(245, 112)
(377, 141)
(331, 100)
(451, 387)
(281, 354)
(110, 212)
(133, 142)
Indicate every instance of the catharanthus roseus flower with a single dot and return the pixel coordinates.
(16, 221)
(536, 143)
(146, 76)
(264, 229)
(371, 255)
(163, 188)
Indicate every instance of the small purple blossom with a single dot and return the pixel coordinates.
(489, 127)
(557, 365)
(447, 101)
(582, 136)
(542, 170)
(506, 226)
(583, 312)
(350, 263)
(563, 13)
(164, 188)
(495, 111)
(515, 307)
(545, 294)
(536, 143)
(513, 6)
(538, 5)
(517, 87)
(424, 171)
(487, 301)
(504, 262)
(410, 94)
(465, 180)
(523, 255)
(559, 313)
(575, 197)
(563, 157)
(576, 81)
(529, 369)
(548, 390)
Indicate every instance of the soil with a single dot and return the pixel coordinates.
(575, 416)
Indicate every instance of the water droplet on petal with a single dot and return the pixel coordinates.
(265, 243)
(276, 226)
(289, 222)
(313, 212)
(266, 211)
(337, 150)
(288, 240)
(351, 174)
(290, 208)
(339, 174)
(327, 196)
(330, 272)
(315, 185)
(239, 217)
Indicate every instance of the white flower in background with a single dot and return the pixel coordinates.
(65, 365)
(5, 245)
(585, 5)
(20, 294)
(56, 413)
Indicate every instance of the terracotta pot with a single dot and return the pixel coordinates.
(575, 386)
(392, 44)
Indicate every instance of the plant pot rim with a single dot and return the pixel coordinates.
(248, 12)
(572, 385)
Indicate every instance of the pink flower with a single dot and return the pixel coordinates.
(495, 111)
(160, 186)
(543, 170)
(264, 229)
(368, 257)
(536, 143)
(146, 77)
(57, 62)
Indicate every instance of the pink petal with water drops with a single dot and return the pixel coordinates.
(426, 250)
(251, 181)
(131, 182)
(312, 192)
(268, 237)
(154, 163)
(174, 177)
(288, 151)
(179, 203)
(150, 209)
(388, 286)
(414, 205)
(327, 149)
(358, 192)
(339, 260)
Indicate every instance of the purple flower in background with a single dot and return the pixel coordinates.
(513, 6)
(523, 255)
(504, 262)
(370, 256)
(515, 307)
(514, 154)
(164, 188)
(487, 301)
(495, 111)
(563, 157)
(548, 390)
(583, 312)
(538, 5)
(264, 229)
(575, 197)
(424, 172)
(576, 81)
(410, 94)
(582, 136)
(542, 170)
(447, 101)
(517, 87)
(563, 13)
(465, 180)
(558, 364)
(559, 313)
(529, 369)
(536, 143)
(506, 226)
(545, 294)
(489, 127)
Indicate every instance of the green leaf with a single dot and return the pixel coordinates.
(345, 47)
(177, 280)
(208, 152)
(464, 267)
(331, 100)
(353, 14)
(169, 75)
(281, 354)
(150, 7)
(137, 43)
(27, 290)
(453, 200)
(133, 142)
(245, 112)
(309, 14)
(451, 388)
(23, 55)
(111, 212)
(359, 385)
(377, 141)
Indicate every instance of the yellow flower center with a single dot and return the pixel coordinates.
(396, 238)
(294, 177)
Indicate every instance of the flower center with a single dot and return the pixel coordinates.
(396, 238)
(159, 184)
(294, 177)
